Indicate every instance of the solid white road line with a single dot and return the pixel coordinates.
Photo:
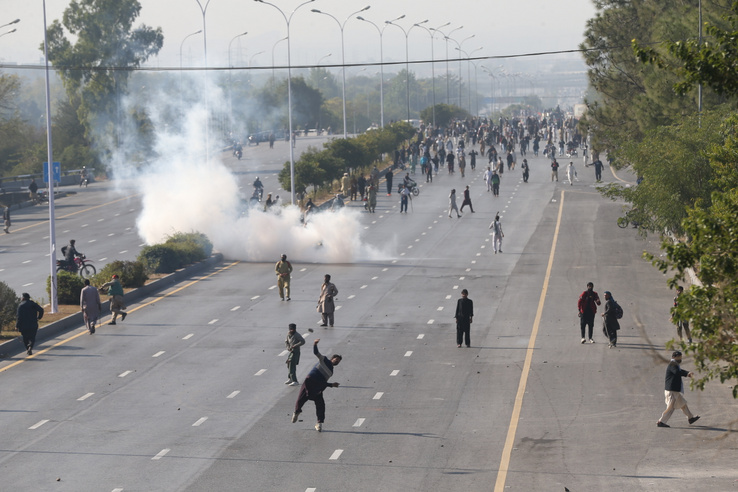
(336, 454)
(124, 374)
(160, 454)
(260, 372)
(233, 394)
(37, 425)
(187, 337)
(358, 422)
(199, 422)
(161, 352)
(84, 397)
(395, 372)
(378, 395)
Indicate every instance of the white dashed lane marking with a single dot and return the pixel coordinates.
(395, 372)
(430, 321)
(378, 396)
(38, 424)
(358, 422)
(160, 454)
(255, 298)
(351, 296)
(421, 336)
(336, 454)
(235, 308)
(161, 352)
(440, 308)
(199, 422)
(260, 372)
(448, 296)
(84, 397)
(213, 321)
(408, 353)
(233, 395)
(187, 337)
(124, 374)
(363, 286)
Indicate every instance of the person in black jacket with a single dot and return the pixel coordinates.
(610, 320)
(26, 322)
(674, 391)
(464, 315)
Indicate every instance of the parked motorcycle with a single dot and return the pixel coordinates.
(81, 265)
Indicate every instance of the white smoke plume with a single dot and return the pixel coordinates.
(181, 192)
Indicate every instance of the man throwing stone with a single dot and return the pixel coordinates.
(314, 384)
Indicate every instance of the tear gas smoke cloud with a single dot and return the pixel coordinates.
(182, 193)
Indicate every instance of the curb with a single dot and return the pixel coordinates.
(15, 346)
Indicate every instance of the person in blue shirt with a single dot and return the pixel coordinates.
(314, 384)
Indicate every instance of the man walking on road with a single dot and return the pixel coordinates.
(314, 384)
(598, 170)
(497, 233)
(452, 204)
(388, 176)
(610, 320)
(554, 170)
(464, 315)
(681, 324)
(587, 304)
(6, 220)
(293, 343)
(89, 303)
(283, 269)
(674, 391)
(26, 321)
(467, 200)
(326, 307)
(117, 304)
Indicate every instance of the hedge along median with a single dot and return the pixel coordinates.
(188, 248)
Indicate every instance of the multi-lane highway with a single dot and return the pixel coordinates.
(188, 393)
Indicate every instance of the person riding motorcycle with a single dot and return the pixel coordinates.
(70, 252)
(258, 187)
(83, 179)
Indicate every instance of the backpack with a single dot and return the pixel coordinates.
(618, 309)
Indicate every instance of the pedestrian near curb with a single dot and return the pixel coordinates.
(26, 321)
(283, 269)
(117, 301)
(314, 385)
(89, 303)
(681, 325)
(293, 343)
(6, 220)
(674, 391)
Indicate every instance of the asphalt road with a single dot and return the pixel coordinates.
(188, 393)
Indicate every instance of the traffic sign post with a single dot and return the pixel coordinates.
(56, 170)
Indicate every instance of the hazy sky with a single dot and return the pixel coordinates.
(499, 28)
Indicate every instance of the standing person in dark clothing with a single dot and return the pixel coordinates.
(467, 200)
(326, 306)
(26, 322)
(681, 324)
(6, 220)
(526, 170)
(389, 177)
(293, 343)
(314, 384)
(473, 159)
(33, 191)
(464, 314)
(610, 320)
(361, 184)
(587, 304)
(450, 161)
(554, 170)
(674, 391)
(598, 170)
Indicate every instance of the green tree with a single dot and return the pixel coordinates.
(95, 62)
(306, 104)
(444, 114)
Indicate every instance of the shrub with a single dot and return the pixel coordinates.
(8, 306)
(68, 287)
(193, 238)
(132, 274)
(160, 258)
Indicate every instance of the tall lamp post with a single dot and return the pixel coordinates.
(287, 20)
(343, 57)
(468, 74)
(273, 47)
(50, 161)
(381, 66)
(448, 85)
(181, 45)
(431, 33)
(323, 58)
(204, 10)
(407, 64)
(230, 96)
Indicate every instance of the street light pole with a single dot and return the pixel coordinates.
(180, 57)
(207, 98)
(287, 20)
(230, 95)
(323, 58)
(431, 33)
(381, 66)
(49, 159)
(407, 65)
(343, 57)
(273, 47)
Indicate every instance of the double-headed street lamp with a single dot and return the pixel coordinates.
(230, 96)
(468, 74)
(323, 58)
(407, 63)
(204, 10)
(381, 66)
(343, 57)
(181, 45)
(446, 37)
(273, 47)
(432, 32)
(9, 24)
(287, 20)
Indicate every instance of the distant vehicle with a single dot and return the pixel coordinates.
(414, 123)
(258, 137)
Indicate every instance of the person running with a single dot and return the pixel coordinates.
(314, 385)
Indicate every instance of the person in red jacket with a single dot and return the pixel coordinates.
(588, 302)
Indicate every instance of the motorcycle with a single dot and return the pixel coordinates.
(239, 154)
(80, 265)
(412, 186)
